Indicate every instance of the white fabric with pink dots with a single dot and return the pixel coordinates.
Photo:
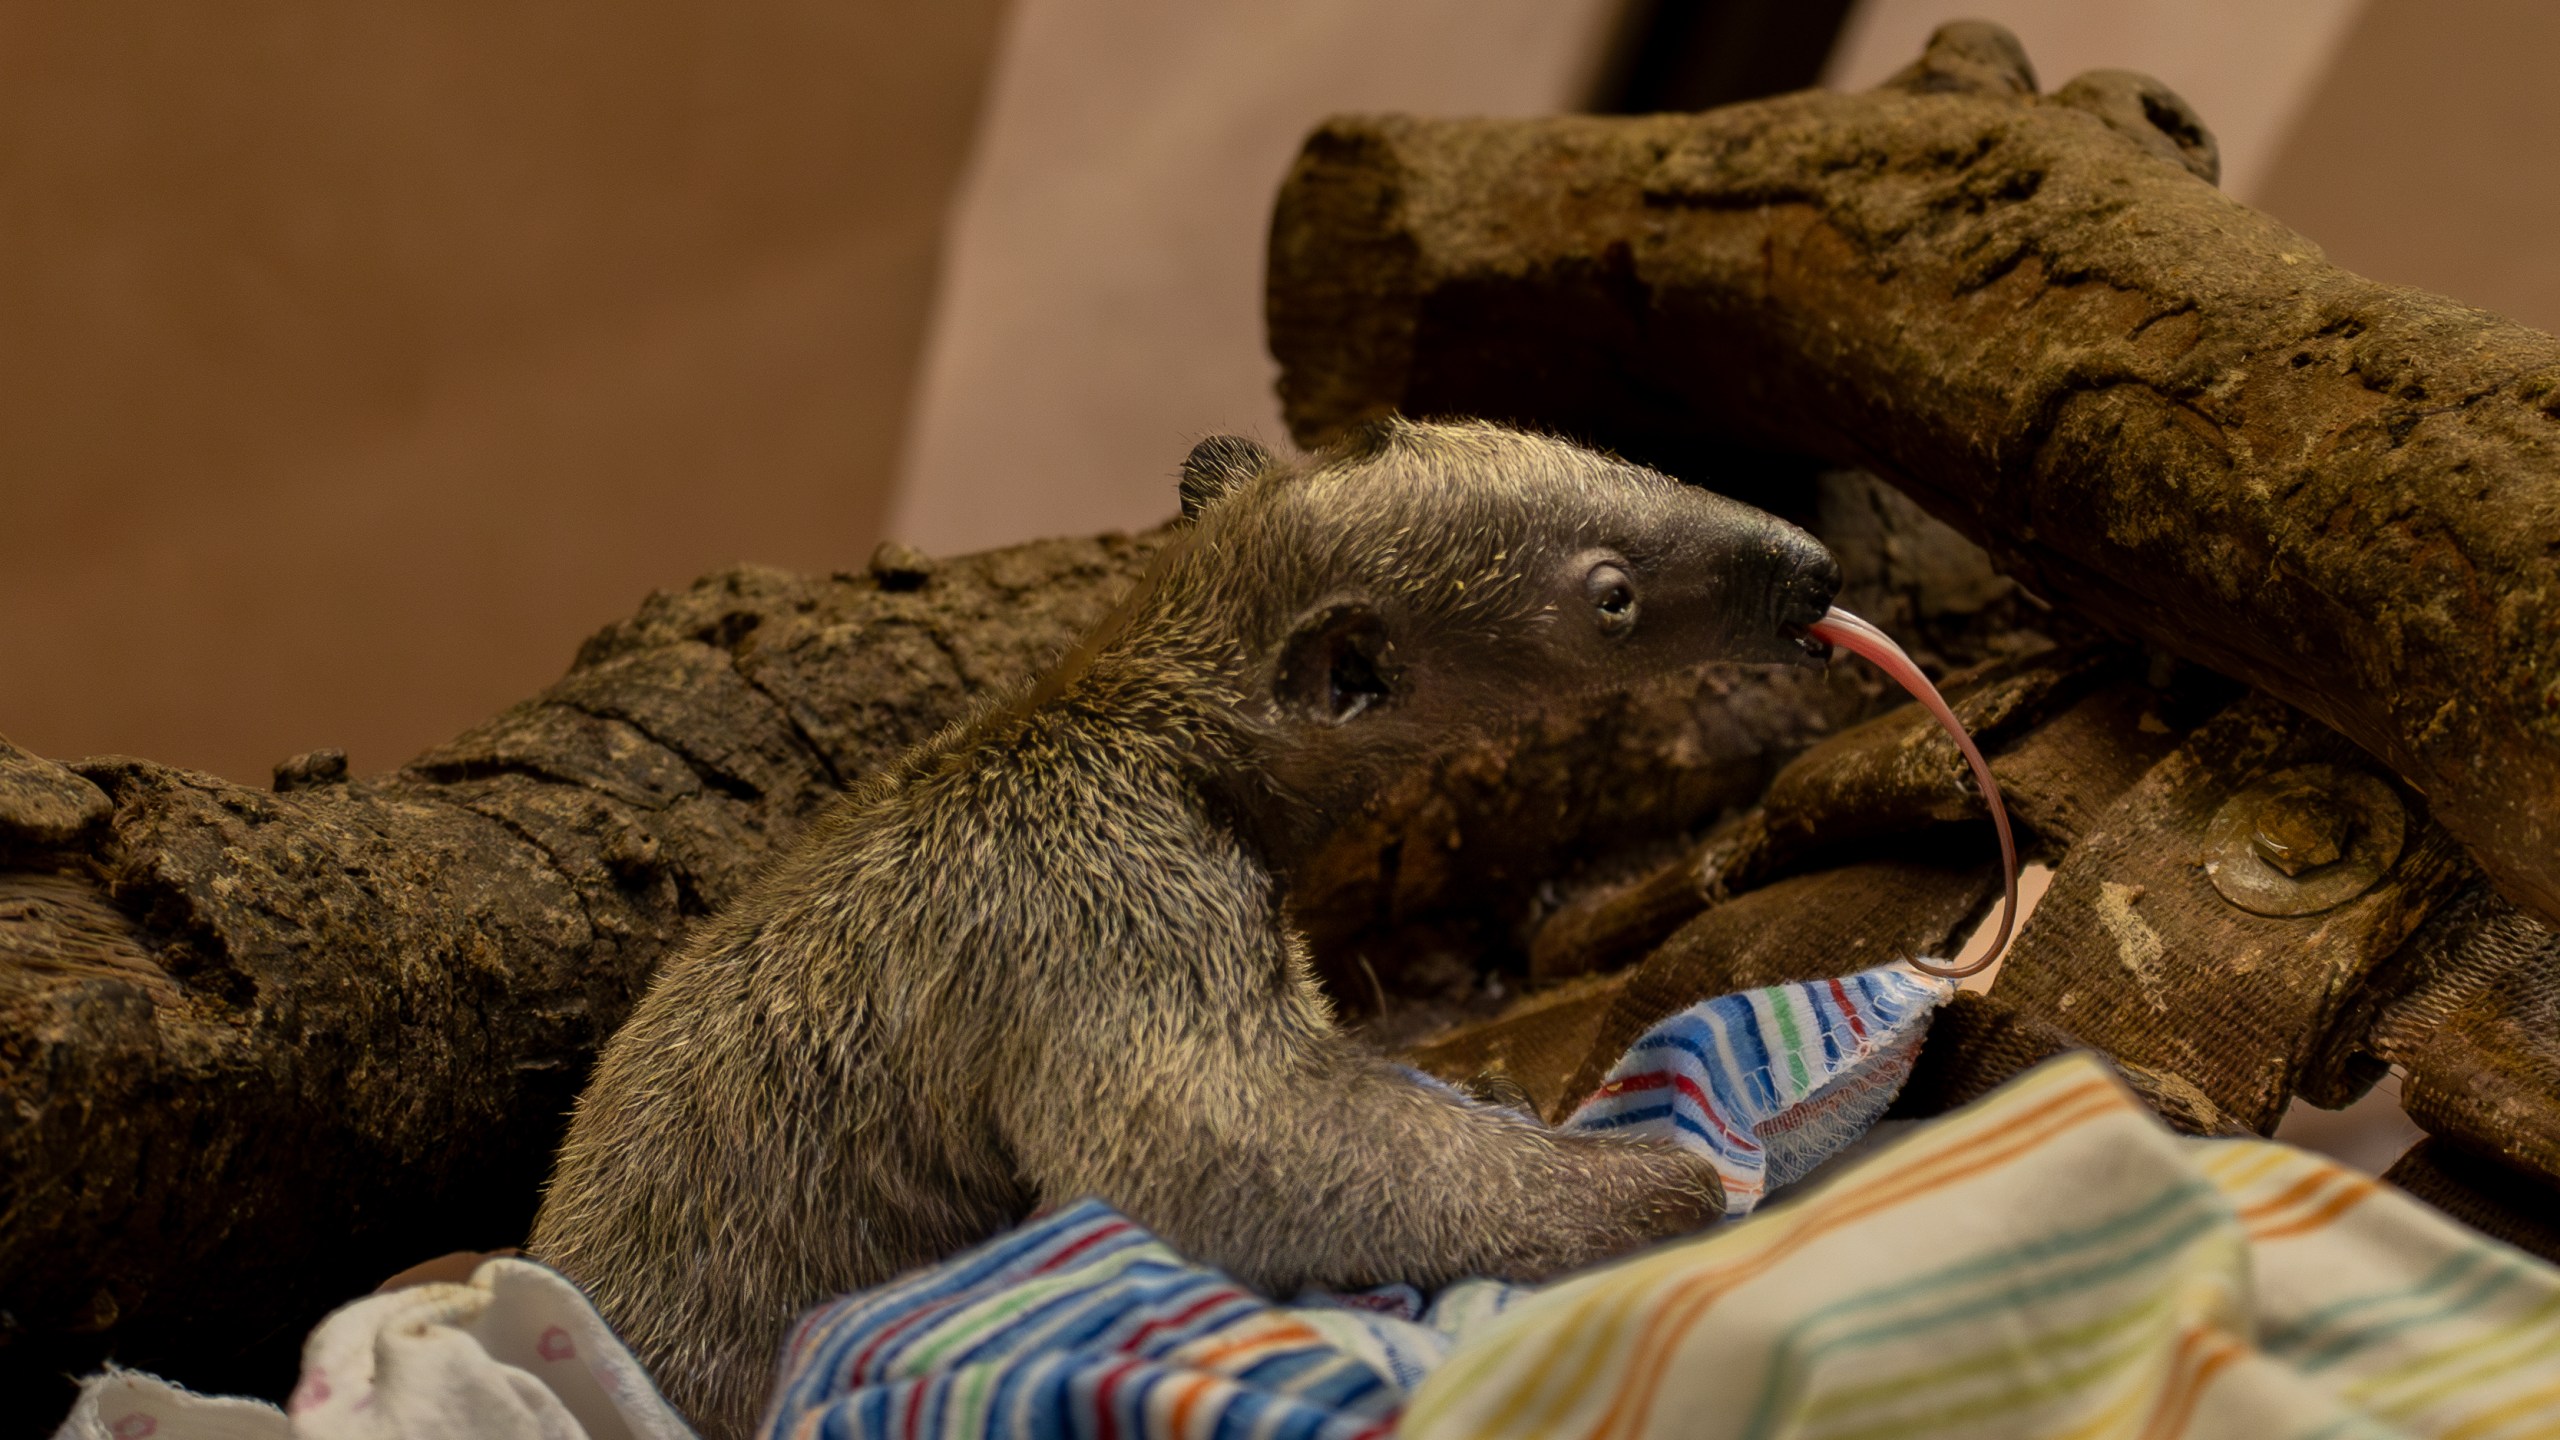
(516, 1353)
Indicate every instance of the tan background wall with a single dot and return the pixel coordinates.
(1102, 308)
(2248, 66)
(2426, 156)
(357, 360)
(2410, 138)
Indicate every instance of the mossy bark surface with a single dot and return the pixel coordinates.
(2154, 405)
(260, 1050)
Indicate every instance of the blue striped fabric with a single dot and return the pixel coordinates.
(1081, 1324)
(1769, 1083)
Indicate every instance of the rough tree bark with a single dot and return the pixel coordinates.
(257, 1050)
(2036, 315)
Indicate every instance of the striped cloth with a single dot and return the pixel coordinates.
(1770, 1083)
(2050, 1262)
(1082, 1324)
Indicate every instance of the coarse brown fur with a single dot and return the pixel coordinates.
(1043, 956)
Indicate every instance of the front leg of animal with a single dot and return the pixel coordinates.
(1318, 1164)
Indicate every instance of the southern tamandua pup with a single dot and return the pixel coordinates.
(1043, 955)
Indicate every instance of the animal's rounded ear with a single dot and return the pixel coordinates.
(1334, 665)
(1215, 466)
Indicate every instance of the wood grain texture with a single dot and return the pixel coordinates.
(2154, 405)
(258, 1050)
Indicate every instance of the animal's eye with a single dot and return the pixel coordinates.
(1613, 596)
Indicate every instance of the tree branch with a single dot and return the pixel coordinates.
(259, 1050)
(2152, 404)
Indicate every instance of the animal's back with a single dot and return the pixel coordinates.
(780, 1120)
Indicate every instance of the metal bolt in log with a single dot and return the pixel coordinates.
(2153, 404)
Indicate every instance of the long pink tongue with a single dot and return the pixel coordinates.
(1860, 638)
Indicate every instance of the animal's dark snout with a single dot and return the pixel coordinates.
(1803, 595)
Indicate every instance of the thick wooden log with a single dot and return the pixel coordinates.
(258, 1051)
(2155, 406)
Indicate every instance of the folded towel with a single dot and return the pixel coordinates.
(2049, 1261)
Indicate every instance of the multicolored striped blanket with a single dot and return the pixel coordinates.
(1770, 1083)
(2049, 1262)
(1082, 1324)
(1078, 1323)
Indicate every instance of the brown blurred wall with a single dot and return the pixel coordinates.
(1101, 306)
(2248, 66)
(2410, 138)
(2425, 156)
(357, 360)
